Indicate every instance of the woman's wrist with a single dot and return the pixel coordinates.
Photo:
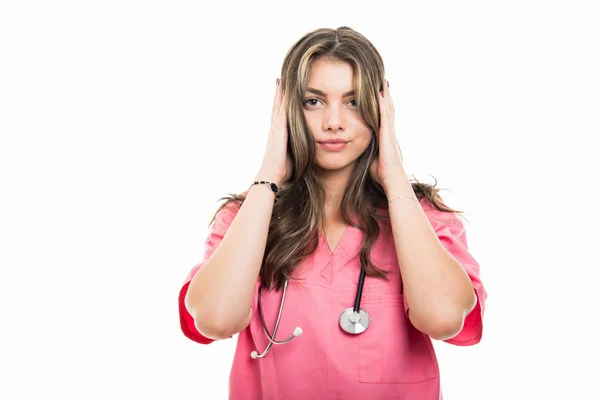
(268, 176)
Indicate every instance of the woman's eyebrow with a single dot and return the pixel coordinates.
(320, 93)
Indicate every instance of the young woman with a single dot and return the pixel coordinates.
(334, 268)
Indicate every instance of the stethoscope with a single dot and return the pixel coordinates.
(353, 320)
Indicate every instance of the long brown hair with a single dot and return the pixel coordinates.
(298, 214)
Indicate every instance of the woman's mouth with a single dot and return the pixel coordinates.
(333, 146)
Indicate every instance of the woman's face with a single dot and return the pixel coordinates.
(331, 114)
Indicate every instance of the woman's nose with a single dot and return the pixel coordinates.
(333, 119)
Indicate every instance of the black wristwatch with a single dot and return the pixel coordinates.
(272, 186)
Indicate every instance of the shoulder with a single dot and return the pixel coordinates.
(437, 218)
(225, 214)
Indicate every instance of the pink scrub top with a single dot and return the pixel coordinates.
(390, 360)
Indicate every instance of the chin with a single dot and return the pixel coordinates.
(333, 165)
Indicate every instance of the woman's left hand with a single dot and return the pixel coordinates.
(389, 162)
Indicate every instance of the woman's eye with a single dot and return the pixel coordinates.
(308, 102)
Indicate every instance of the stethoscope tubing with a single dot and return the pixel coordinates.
(359, 289)
(354, 322)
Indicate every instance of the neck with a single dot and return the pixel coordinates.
(334, 183)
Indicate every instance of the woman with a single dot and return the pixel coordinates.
(372, 265)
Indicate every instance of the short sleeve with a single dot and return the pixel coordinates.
(452, 234)
(216, 232)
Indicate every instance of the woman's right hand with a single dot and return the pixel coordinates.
(277, 163)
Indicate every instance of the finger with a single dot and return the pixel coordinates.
(386, 91)
(276, 102)
(278, 121)
(388, 95)
(383, 108)
(282, 98)
(386, 99)
(283, 105)
(277, 93)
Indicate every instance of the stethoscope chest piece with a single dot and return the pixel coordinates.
(354, 322)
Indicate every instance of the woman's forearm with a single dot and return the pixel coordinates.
(220, 294)
(437, 289)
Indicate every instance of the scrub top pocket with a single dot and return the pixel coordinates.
(391, 350)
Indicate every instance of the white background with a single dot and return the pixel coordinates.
(123, 122)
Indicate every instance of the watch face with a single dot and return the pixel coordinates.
(274, 187)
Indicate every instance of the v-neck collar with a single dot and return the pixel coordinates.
(328, 247)
(330, 262)
(340, 244)
(339, 241)
(340, 247)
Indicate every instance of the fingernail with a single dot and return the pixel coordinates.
(381, 94)
(277, 82)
